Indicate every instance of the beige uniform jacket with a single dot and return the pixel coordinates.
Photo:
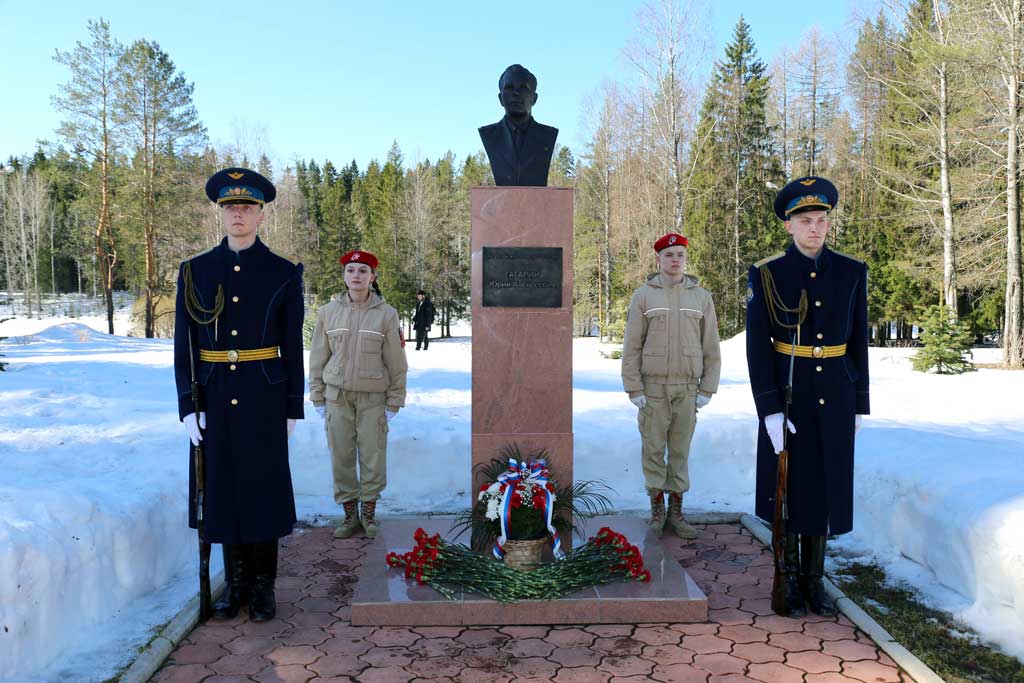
(671, 337)
(357, 347)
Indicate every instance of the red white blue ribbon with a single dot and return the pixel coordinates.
(529, 474)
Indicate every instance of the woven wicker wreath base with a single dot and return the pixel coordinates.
(524, 555)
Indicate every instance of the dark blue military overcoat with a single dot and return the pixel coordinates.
(249, 495)
(827, 392)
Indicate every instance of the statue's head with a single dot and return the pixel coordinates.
(517, 92)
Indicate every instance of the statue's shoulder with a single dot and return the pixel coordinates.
(547, 130)
(488, 129)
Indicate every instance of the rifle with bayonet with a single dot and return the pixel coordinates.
(779, 523)
(199, 462)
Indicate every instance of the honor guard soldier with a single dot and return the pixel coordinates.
(670, 368)
(238, 330)
(808, 306)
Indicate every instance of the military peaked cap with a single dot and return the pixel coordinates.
(810, 193)
(240, 186)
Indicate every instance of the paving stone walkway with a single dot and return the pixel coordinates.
(313, 641)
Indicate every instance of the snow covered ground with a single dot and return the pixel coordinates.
(94, 551)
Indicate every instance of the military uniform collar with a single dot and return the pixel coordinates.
(257, 248)
(823, 261)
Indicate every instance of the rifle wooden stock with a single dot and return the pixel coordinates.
(199, 462)
(779, 531)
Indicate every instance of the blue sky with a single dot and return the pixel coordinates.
(340, 80)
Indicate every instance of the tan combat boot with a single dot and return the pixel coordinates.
(369, 522)
(351, 524)
(675, 517)
(657, 520)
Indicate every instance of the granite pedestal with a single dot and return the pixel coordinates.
(384, 597)
(522, 356)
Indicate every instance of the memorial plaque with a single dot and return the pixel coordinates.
(522, 276)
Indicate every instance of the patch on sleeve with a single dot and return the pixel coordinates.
(750, 294)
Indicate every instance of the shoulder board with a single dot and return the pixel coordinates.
(283, 258)
(769, 259)
(202, 253)
(852, 258)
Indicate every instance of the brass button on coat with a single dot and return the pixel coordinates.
(238, 268)
(234, 333)
(235, 367)
(818, 304)
(813, 274)
(821, 336)
(234, 401)
(821, 401)
(234, 299)
(818, 368)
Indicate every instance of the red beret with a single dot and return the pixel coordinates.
(670, 240)
(359, 256)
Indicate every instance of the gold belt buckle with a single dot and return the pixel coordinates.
(233, 356)
(817, 352)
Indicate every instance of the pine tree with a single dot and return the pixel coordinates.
(159, 122)
(947, 343)
(734, 167)
(87, 101)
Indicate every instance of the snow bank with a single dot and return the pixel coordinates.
(93, 463)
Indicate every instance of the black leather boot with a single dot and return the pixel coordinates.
(236, 583)
(264, 604)
(812, 570)
(791, 558)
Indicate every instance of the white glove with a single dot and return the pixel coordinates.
(291, 425)
(639, 401)
(390, 414)
(773, 425)
(321, 411)
(856, 426)
(193, 429)
(702, 401)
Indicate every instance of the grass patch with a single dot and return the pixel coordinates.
(946, 645)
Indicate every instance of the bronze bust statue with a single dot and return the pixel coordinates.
(518, 147)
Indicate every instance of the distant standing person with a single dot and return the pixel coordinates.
(423, 319)
(239, 314)
(809, 302)
(670, 368)
(357, 372)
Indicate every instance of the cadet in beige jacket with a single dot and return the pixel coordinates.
(357, 372)
(670, 368)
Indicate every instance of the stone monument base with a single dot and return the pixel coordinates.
(384, 597)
